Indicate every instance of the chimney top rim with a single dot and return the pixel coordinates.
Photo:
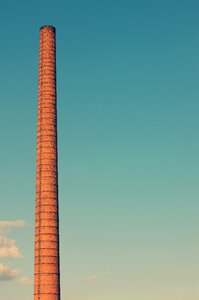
(47, 26)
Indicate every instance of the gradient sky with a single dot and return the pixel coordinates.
(128, 77)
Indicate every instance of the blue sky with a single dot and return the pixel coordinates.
(127, 75)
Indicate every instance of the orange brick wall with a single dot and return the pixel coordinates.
(46, 260)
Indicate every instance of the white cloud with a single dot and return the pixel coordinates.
(25, 281)
(90, 278)
(8, 248)
(6, 225)
(6, 273)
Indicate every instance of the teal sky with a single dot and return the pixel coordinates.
(128, 77)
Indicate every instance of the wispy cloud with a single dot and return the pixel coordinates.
(100, 276)
(6, 273)
(90, 278)
(106, 273)
(8, 248)
(6, 225)
(25, 281)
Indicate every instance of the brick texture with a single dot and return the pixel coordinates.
(46, 257)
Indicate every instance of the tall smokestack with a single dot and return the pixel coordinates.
(46, 256)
